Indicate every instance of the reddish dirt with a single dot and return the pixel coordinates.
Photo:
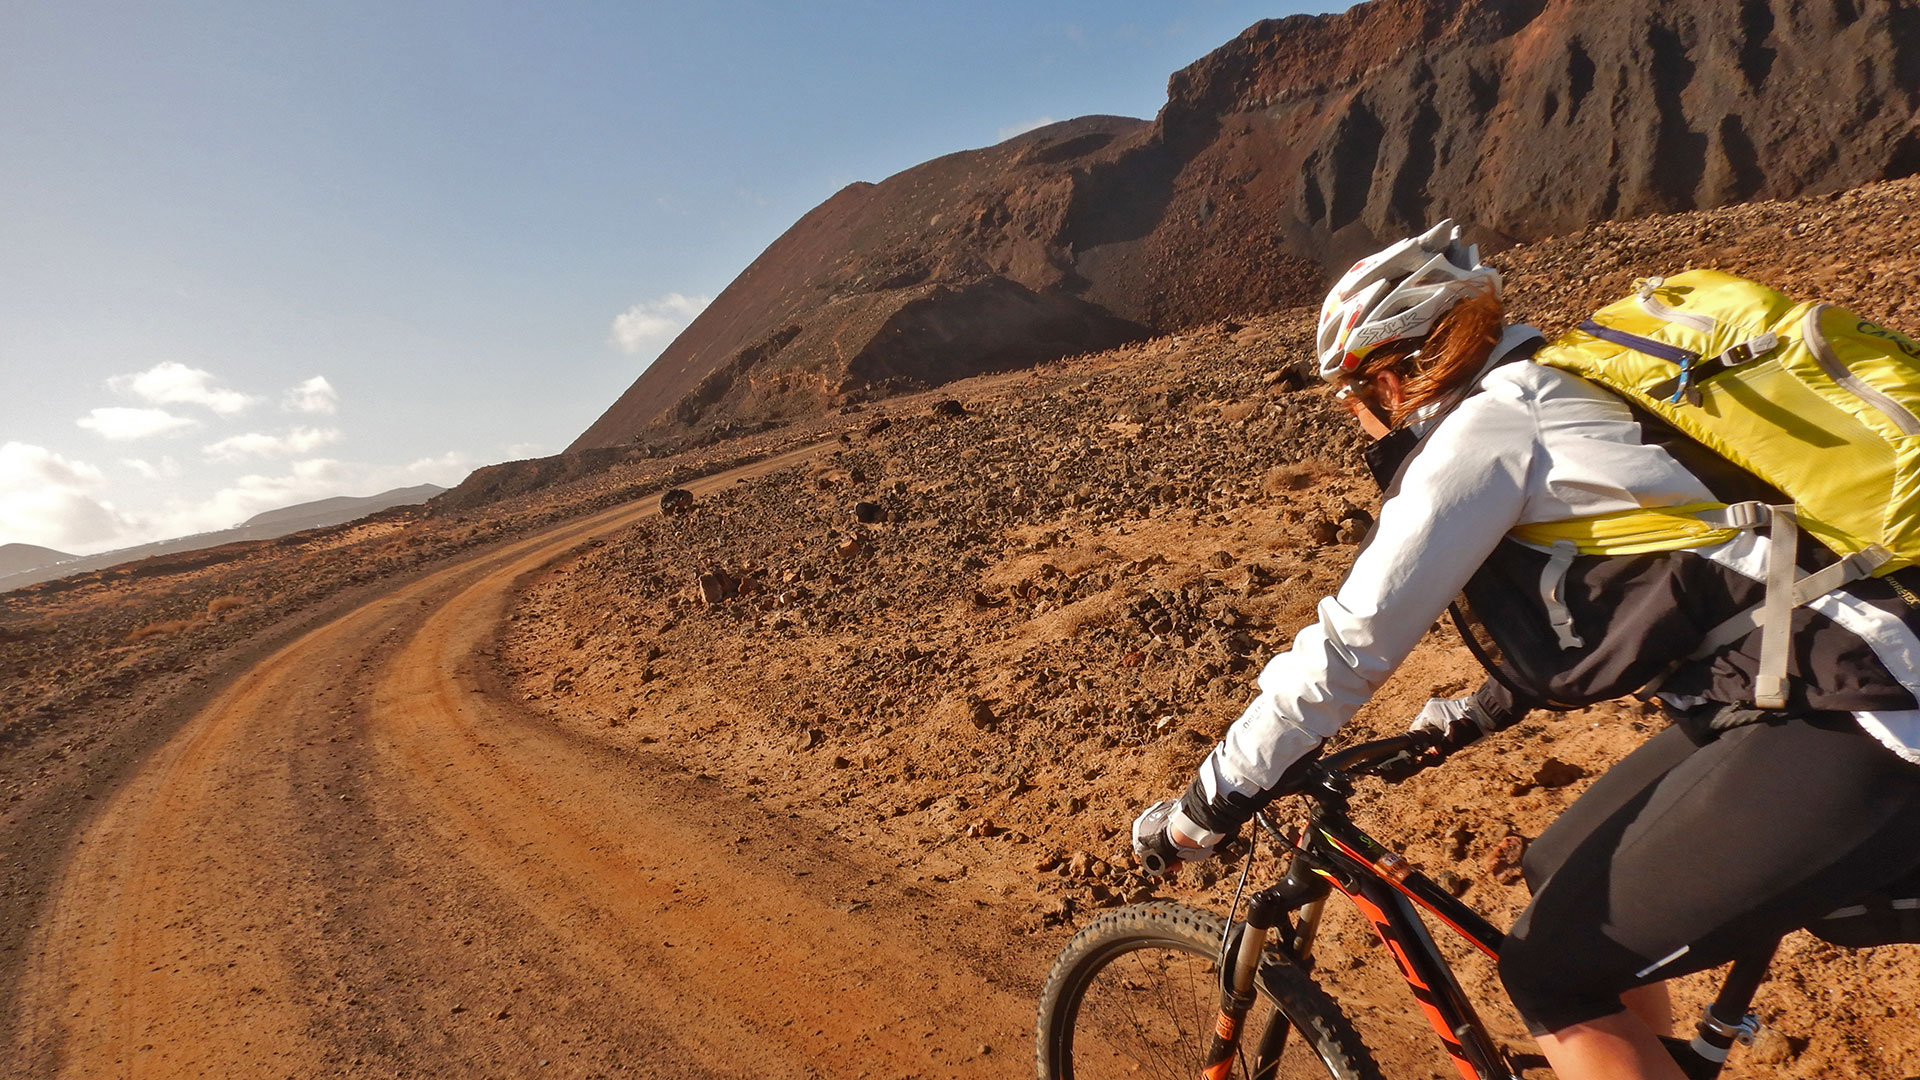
(811, 780)
(361, 859)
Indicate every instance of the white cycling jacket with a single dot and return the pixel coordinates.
(1535, 445)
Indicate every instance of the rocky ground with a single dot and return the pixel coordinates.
(983, 634)
(988, 626)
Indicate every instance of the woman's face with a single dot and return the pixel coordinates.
(1374, 395)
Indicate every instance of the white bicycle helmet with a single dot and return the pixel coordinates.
(1398, 294)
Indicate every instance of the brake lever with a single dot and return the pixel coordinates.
(1410, 762)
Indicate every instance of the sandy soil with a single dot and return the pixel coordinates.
(810, 781)
(361, 860)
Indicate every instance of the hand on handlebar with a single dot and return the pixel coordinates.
(1443, 726)
(1449, 720)
(1423, 752)
(1158, 846)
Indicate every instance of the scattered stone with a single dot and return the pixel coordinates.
(1286, 378)
(948, 408)
(1322, 531)
(809, 739)
(879, 425)
(869, 513)
(676, 501)
(1554, 773)
(1220, 560)
(1453, 883)
(1057, 912)
(980, 713)
(715, 587)
(1772, 1047)
(1458, 839)
(1503, 862)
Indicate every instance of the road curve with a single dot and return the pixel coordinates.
(362, 859)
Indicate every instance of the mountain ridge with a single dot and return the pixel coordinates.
(267, 525)
(1278, 156)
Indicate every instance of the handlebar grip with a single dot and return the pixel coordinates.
(1157, 854)
(1419, 752)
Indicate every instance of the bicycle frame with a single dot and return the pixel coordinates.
(1386, 888)
(1330, 854)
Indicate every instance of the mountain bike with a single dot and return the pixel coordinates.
(1165, 990)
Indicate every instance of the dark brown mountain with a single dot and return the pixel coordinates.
(1284, 153)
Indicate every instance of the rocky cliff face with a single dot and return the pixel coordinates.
(1291, 149)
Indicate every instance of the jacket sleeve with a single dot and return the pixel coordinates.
(1464, 488)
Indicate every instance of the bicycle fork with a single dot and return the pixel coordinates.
(1240, 967)
(1236, 998)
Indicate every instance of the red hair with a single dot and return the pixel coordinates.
(1443, 361)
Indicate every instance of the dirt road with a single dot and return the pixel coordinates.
(364, 859)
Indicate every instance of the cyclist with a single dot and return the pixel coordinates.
(1726, 830)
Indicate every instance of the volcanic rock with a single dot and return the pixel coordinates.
(1277, 157)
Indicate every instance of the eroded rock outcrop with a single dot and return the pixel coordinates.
(1287, 151)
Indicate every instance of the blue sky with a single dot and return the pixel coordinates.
(260, 253)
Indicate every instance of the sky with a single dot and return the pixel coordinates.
(258, 253)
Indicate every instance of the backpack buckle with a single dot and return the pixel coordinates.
(1751, 349)
(1683, 384)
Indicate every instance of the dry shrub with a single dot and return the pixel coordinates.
(224, 603)
(1282, 478)
(1240, 410)
(159, 629)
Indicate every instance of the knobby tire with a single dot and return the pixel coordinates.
(1136, 993)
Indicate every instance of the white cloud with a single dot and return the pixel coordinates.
(647, 327)
(316, 395)
(120, 423)
(164, 469)
(1021, 129)
(521, 451)
(306, 481)
(61, 503)
(255, 444)
(49, 500)
(172, 383)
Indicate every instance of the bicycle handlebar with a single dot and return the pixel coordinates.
(1394, 758)
(1360, 760)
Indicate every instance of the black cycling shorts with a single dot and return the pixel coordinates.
(1685, 857)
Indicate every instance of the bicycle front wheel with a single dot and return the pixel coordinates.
(1136, 994)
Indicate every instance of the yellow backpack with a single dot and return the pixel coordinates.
(1809, 397)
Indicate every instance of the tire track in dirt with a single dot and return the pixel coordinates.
(361, 857)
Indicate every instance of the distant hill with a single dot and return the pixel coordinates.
(20, 558)
(1277, 158)
(340, 508)
(263, 526)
